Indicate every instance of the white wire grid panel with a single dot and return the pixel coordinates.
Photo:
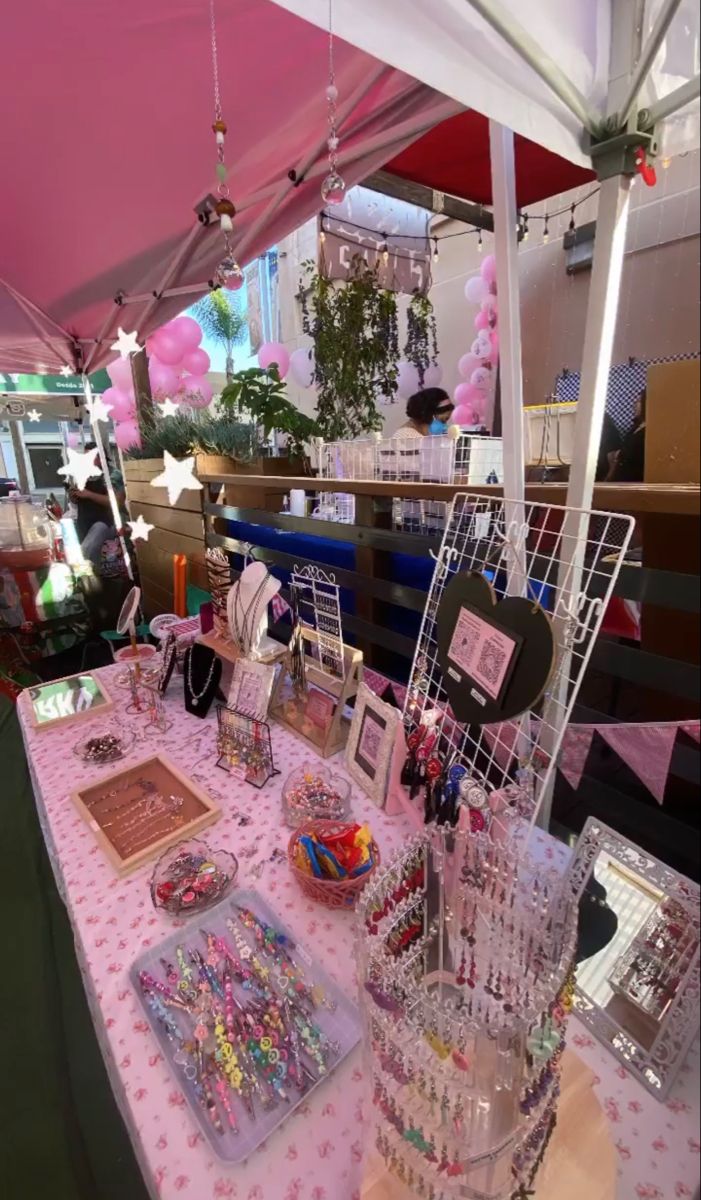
(572, 575)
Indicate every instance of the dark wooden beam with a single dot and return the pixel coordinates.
(426, 197)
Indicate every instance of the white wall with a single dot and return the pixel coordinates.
(659, 310)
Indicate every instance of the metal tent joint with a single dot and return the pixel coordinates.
(617, 155)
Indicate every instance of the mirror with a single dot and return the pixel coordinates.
(66, 699)
(638, 959)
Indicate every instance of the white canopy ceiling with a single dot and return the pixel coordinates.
(448, 45)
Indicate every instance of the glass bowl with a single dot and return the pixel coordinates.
(312, 792)
(191, 877)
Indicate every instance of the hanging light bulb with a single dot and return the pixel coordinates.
(480, 242)
(666, 163)
(573, 223)
(333, 189)
(546, 230)
(435, 250)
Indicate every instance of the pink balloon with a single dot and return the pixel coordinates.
(274, 353)
(73, 439)
(197, 391)
(127, 435)
(187, 332)
(469, 363)
(462, 415)
(197, 362)
(166, 347)
(464, 394)
(482, 320)
(495, 346)
(490, 305)
(476, 290)
(407, 379)
(482, 345)
(120, 375)
(433, 375)
(488, 270)
(481, 379)
(302, 367)
(164, 381)
(122, 405)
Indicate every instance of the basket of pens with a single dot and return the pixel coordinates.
(333, 860)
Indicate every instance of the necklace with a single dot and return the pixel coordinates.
(244, 630)
(197, 696)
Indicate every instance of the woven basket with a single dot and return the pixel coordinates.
(334, 894)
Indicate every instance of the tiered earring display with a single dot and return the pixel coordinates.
(465, 962)
(319, 607)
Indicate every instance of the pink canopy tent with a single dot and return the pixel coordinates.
(108, 150)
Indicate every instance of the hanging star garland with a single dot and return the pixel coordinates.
(140, 529)
(126, 343)
(97, 410)
(81, 467)
(34, 414)
(65, 371)
(177, 476)
(168, 408)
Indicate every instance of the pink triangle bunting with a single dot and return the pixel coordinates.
(692, 729)
(574, 751)
(646, 750)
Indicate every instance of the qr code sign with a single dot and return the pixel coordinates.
(491, 663)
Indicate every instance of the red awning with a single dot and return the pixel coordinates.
(454, 158)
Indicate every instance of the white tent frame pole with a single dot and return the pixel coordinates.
(533, 54)
(649, 53)
(672, 103)
(280, 196)
(102, 455)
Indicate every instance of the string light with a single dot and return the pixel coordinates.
(573, 223)
(546, 230)
(480, 242)
(384, 251)
(435, 250)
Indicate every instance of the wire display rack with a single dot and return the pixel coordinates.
(524, 549)
(469, 459)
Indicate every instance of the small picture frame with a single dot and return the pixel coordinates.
(251, 688)
(168, 656)
(72, 698)
(371, 744)
(319, 708)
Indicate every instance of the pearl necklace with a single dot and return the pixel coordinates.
(197, 696)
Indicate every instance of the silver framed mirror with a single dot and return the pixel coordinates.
(638, 969)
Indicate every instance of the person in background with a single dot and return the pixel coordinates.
(94, 522)
(629, 464)
(428, 411)
(609, 448)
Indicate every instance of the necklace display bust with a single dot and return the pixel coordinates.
(247, 607)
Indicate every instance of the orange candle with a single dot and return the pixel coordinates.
(179, 575)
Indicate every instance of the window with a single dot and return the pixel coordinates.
(44, 462)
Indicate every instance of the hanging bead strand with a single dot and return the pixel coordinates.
(333, 189)
(228, 273)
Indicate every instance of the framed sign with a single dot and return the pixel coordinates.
(371, 743)
(68, 699)
(251, 688)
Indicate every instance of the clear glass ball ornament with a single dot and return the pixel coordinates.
(230, 274)
(333, 189)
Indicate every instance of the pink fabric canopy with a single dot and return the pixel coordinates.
(107, 148)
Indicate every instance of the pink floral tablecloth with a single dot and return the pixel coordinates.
(317, 1154)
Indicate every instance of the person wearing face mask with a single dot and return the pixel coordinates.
(428, 411)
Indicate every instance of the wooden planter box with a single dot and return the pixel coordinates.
(178, 529)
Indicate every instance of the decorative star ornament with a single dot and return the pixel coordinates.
(168, 408)
(97, 410)
(126, 343)
(81, 467)
(34, 414)
(140, 529)
(65, 371)
(177, 477)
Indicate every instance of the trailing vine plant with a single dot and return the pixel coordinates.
(421, 347)
(356, 346)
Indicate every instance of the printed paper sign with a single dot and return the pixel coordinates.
(483, 651)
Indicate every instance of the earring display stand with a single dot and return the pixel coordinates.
(201, 675)
(245, 748)
(289, 710)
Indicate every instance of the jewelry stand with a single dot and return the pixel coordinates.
(247, 623)
(289, 710)
(245, 748)
(201, 678)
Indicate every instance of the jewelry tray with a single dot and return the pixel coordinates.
(343, 1026)
(197, 810)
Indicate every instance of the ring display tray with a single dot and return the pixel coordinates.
(336, 1019)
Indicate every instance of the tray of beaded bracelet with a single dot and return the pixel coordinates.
(248, 1022)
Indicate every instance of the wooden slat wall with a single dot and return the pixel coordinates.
(178, 529)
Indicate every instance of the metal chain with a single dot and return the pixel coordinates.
(215, 61)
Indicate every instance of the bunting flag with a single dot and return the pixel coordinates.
(692, 729)
(574, 751)
(647, 750)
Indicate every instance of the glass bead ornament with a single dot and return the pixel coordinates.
(465, 953)
(229, 274)
(333, 189)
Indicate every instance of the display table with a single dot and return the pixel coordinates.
(318, 1153)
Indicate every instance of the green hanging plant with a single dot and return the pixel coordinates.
(356, 347)
(421, 347)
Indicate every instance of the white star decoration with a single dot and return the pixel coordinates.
(126, 343)
(81, 467)
(140, 529)
(168, 408)
(177, 477)
(65, 371)
(97, 410)
(34, 414)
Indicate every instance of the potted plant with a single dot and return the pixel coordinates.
(261, 394)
